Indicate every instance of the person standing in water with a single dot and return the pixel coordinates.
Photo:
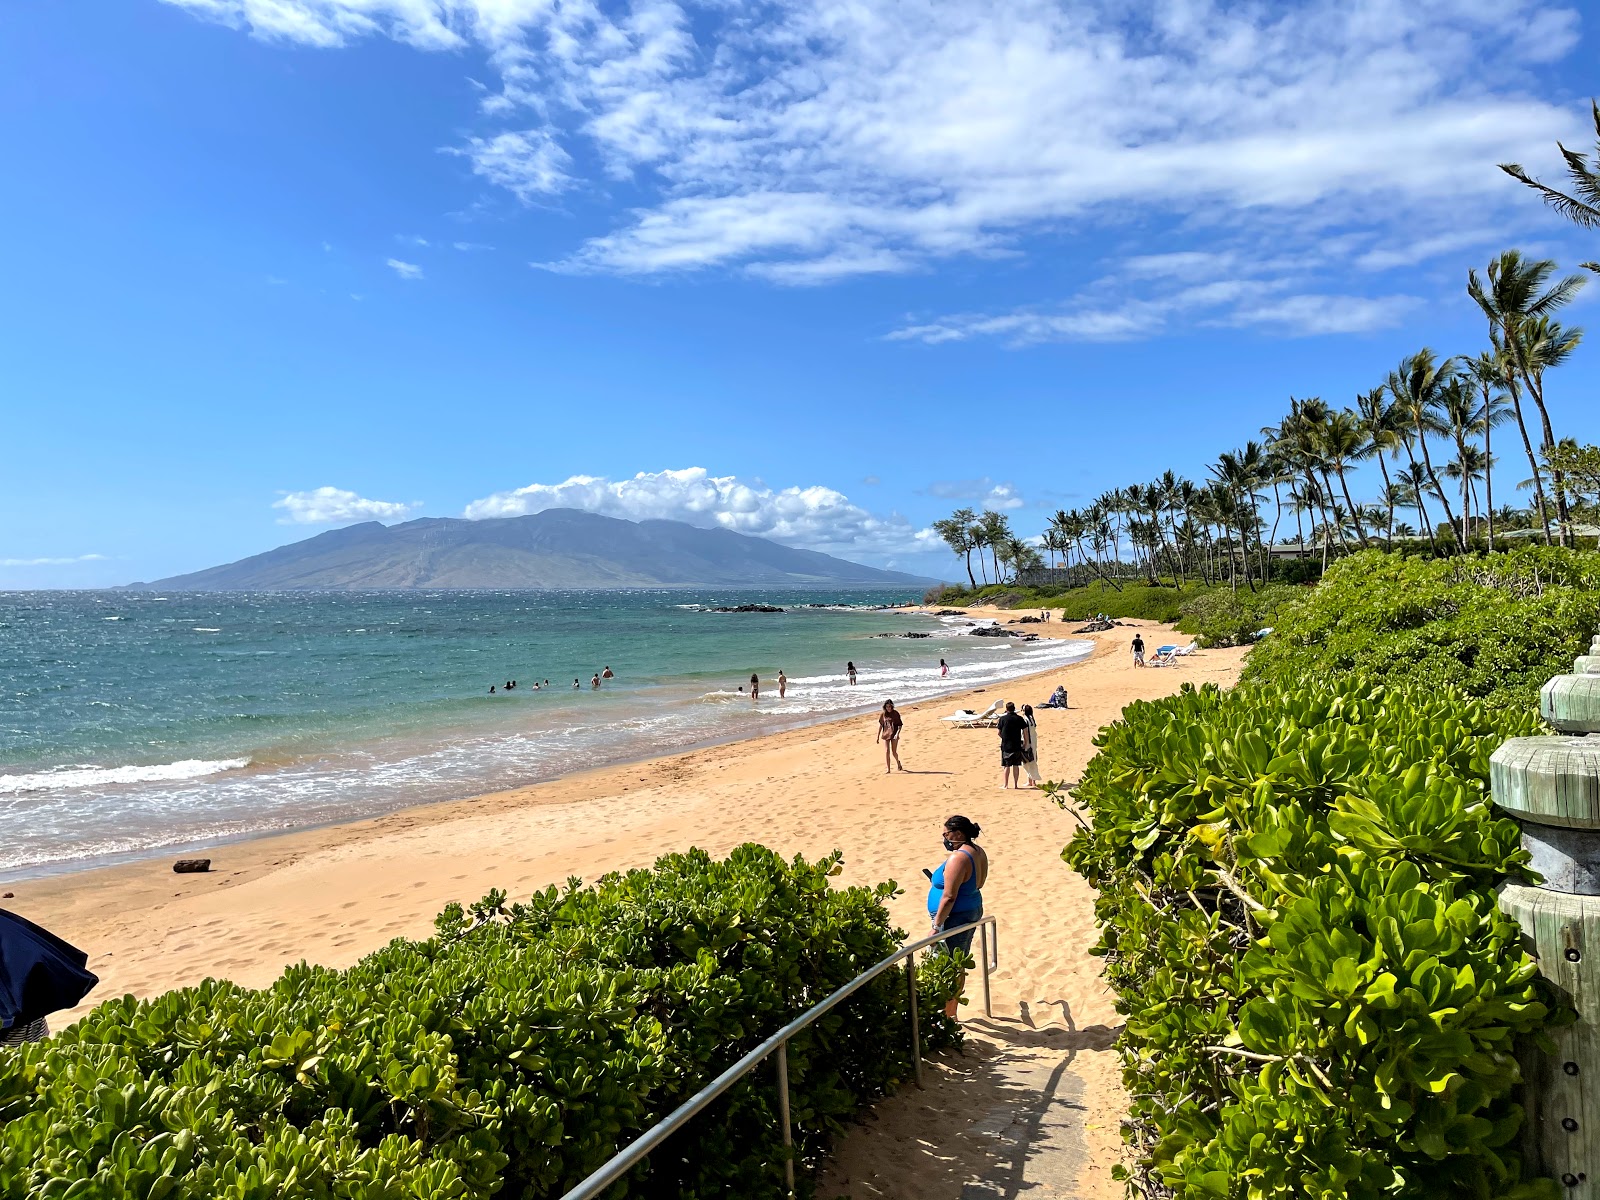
(944, 668)
(889, 724)
(783, 683)
(576, 685)
(755, 686)
(955, 896)
(594, 684)
(606, 674)
(850, 670)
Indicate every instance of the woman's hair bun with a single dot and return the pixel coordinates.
(961, 825)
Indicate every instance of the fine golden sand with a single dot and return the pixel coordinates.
(1034, 1102)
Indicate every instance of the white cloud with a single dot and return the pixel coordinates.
(528, 163)
(815, 517)
(412, 239)
(1312, 315)
(51, 562)
(809, 140)
(989, 494)
(335, 506)
(404, 269)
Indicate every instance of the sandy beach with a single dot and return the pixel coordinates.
(1035, 1098)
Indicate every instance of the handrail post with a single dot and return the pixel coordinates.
(983, 961)
(916, 1034)
(783, 1116)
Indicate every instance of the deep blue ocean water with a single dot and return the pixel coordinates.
(131, 722)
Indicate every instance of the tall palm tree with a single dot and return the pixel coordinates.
(1469, 466)
(1457, 406)
(1488, 371)
(1417, 387)
(1342, 442)
(1378, 426)
(1582, 206)
(1544, 344)
(1414, 479)
(1514, 292)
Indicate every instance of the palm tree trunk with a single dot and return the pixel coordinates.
(1563, 515)
(1355, 514)
(1488, 470)
(1533, 463)
(1388, 501)
(1427, 461)
(970, 579)
(1422, 511)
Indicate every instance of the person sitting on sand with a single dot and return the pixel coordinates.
(850, 670)
(783, 683)
(1058, 699)
(889, 723)
(955, 896)
(1013, 732)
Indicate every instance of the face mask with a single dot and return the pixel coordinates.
(948, 844)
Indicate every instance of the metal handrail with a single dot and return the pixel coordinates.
(778, 1045)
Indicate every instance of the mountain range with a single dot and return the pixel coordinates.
(557, 548)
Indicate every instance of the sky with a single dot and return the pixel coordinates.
(816, 271)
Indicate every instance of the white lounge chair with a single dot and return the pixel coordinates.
(965, 718)
(1165, 656)
(1185, 651)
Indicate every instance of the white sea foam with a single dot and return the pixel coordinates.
(63, 778)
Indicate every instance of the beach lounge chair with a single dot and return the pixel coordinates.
(1185, 651)
(1165, 656)
(965, 718)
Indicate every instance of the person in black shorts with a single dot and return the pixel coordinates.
(1013, 729)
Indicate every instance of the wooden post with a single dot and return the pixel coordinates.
(1552, 786)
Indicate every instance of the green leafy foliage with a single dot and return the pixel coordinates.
(1137, 600)
(1298, 917)
(1224, 617)
(1494, 627)
(511, 1054)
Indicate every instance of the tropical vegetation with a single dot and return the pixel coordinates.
(510, 1054)
(1297, 908)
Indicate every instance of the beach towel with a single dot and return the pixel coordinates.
(39, 973)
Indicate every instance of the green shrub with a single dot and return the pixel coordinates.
(1223, 617)
(1140, 601)
(1298, 917)
(511, 1054)
(1494, 627)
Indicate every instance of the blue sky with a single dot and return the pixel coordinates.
(819, 271)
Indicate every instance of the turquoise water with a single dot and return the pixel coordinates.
(132, 722)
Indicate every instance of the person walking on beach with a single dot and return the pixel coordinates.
(1030, 746)
(783, 683)
(889, 724)
(755, 686)
(944, 668)
(1138, 650)
(850, 670)
(955, 894)
(1013, 732)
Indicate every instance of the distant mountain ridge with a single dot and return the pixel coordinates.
(557, 548)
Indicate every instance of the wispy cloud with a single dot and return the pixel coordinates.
(336, 506)
(989, 494)
(404, 269)
(52, 562)
(814, 140)
(814, 517)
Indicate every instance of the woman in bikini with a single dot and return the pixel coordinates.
(956, 894)
(889, 723)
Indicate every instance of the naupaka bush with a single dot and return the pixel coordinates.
(509, 1055)
(1298, 916)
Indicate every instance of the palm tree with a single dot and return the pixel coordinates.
(1378, 426)
(1342, 442)
(1470, 465)
(956, 530)
(1545, 344)
(1517, 291)
(1417, 387)
(1583, 206)
(1489, 371)
(996, 527)
(1456, 408)
(1415, 482)
(1396, 494)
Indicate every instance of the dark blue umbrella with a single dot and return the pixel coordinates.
(39, 973)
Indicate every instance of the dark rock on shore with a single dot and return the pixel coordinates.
(907, 635)
(997, 631)
(748, 608)
(951, 612)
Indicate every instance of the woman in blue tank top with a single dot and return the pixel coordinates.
(956, 894)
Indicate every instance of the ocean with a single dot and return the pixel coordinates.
(133, 723)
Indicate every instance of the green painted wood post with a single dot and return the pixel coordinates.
(1552, 786)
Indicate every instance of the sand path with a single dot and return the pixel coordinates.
(1034, 1101)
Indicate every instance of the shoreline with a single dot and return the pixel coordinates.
(329, 896)
(32, 873)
